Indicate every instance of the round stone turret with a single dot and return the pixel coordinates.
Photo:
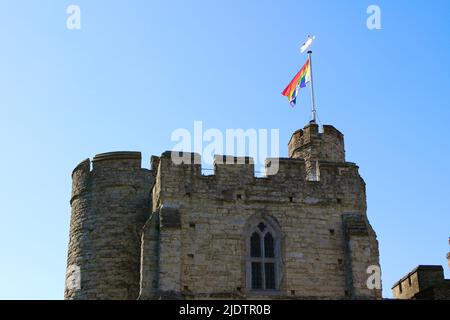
(110, 205)
(312, 146)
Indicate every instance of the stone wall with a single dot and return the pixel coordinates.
(323, 255)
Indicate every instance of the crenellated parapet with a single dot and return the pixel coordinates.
(312, 146)
(289, 174)
(327, 145)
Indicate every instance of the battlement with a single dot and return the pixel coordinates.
(418, 280)
(83, 166)
(122, 160)
(242, 169)
(111, 168)
(310, 144)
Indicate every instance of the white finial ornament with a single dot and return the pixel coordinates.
(307, 43)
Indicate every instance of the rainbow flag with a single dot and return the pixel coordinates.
(300, 80)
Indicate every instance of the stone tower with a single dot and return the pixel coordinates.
(171, 232)
(110, 205)
(311, 146)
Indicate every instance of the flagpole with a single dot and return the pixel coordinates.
(313, 102)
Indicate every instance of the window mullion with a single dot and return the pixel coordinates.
(263, 267)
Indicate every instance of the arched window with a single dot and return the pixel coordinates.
(263, 255)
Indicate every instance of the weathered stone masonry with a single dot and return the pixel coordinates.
(171, 232)
(110, 204)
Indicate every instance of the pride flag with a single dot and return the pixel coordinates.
(300, 80)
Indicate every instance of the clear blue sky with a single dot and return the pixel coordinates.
(137, 70)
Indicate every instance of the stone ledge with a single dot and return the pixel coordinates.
(117, 155)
